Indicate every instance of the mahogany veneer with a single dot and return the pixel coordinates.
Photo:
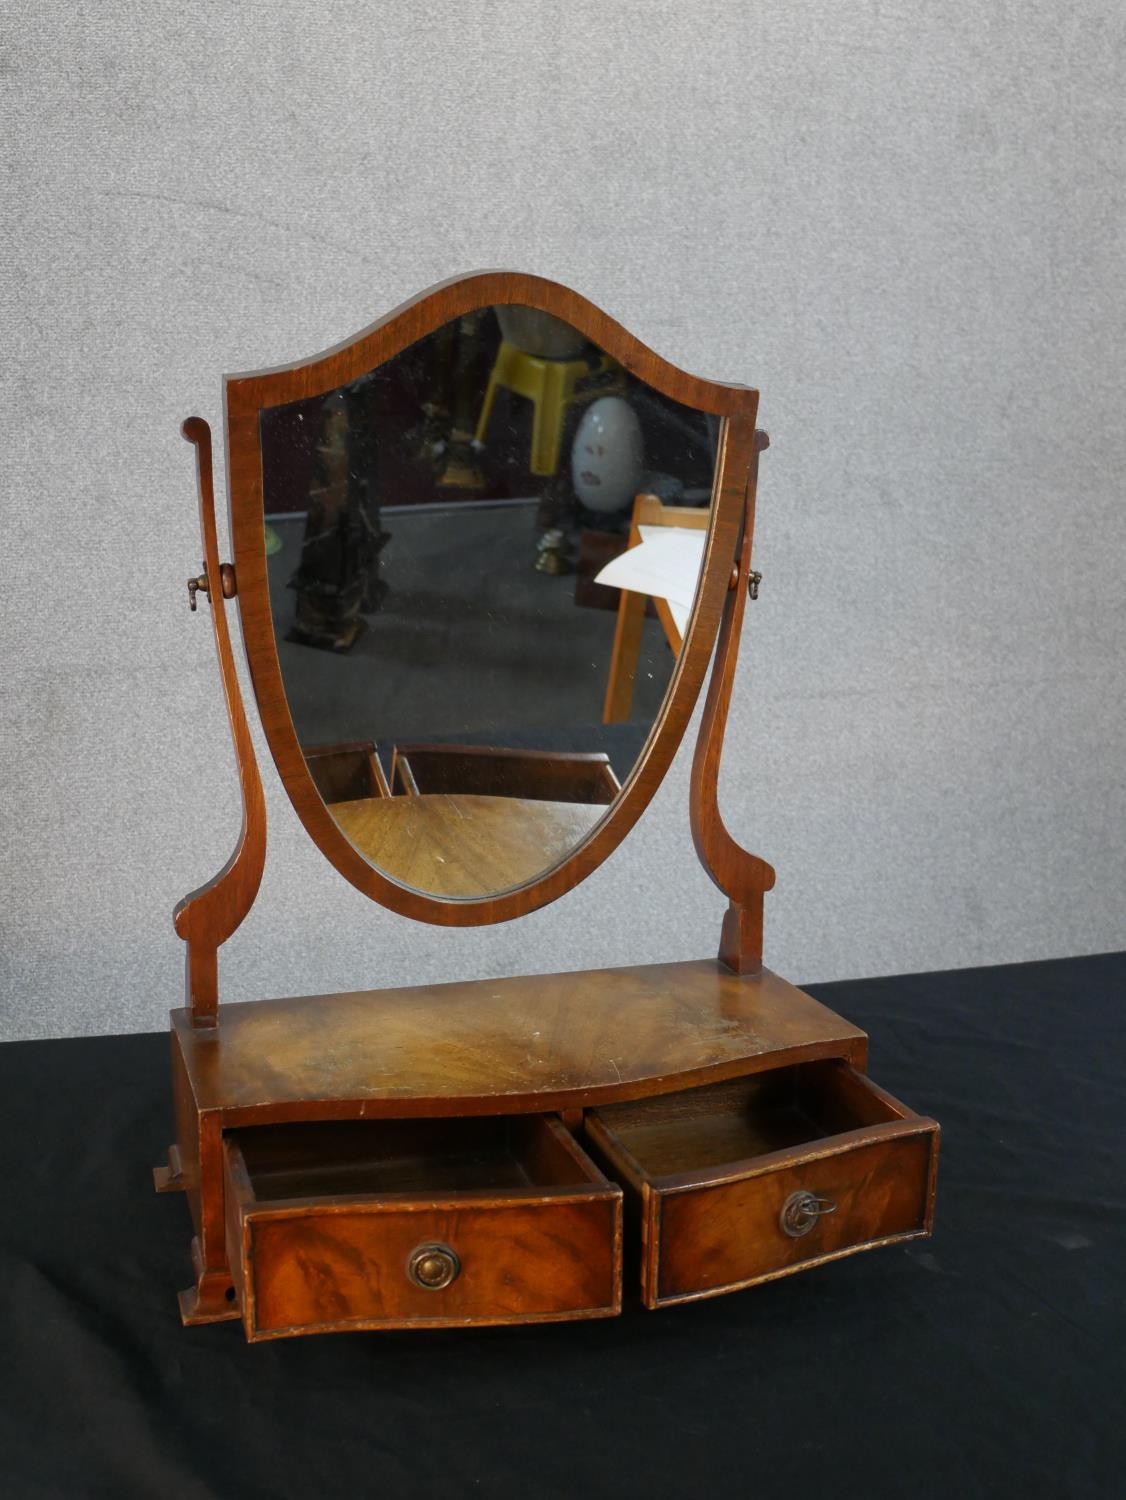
(747, 1181)
(406, 1157)
(492, 1046)
(429, 1223)
(450, 1052)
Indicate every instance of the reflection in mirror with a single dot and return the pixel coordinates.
(482, 558)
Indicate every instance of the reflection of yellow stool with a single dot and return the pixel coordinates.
(551, 385)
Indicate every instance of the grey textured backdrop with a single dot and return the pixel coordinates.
(903, 222)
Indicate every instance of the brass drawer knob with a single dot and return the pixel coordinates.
(433, 1267)
(801, 1211)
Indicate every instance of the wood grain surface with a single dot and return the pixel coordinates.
(742, 876)
(464, 845)
(546, 1250)
(539, 1042)
(708, 1175)
(206, 918)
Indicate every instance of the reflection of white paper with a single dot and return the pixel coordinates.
(665, 563)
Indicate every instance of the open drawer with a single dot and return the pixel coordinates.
(743, 1181)
(384, 1224)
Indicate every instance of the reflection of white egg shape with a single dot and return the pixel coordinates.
(607, 455)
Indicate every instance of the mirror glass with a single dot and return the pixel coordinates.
(482, 557)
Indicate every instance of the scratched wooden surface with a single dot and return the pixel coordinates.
(465, 844)
(504, 1045)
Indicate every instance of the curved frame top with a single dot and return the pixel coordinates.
(245, 398)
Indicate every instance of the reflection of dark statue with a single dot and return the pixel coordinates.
(445, 438)
(337, 580)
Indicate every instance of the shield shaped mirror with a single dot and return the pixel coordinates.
(482, 557)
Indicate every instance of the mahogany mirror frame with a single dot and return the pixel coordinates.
(247, 395)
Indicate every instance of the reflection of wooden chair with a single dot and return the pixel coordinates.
(647, 511)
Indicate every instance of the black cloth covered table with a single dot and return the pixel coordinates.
(987, 1361)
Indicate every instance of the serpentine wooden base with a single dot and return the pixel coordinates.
(331, 1146)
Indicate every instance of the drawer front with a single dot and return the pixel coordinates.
(704, 1239)
(385, 1265)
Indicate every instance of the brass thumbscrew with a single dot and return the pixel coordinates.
(201, 585)
(195, 586)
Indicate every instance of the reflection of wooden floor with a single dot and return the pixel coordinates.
(464, 845)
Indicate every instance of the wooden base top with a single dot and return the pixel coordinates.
(465, 845)
(539, 1042)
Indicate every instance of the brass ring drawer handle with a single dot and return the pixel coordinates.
(433, 1266)
(801, 1211)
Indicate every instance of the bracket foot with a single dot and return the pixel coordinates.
(212, 1299)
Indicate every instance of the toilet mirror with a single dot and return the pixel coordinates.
(474, 545)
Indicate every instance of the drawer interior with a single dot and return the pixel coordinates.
(745, 1118)
(378, 1157)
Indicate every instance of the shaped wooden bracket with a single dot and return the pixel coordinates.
(743, 877)
(207, 917)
